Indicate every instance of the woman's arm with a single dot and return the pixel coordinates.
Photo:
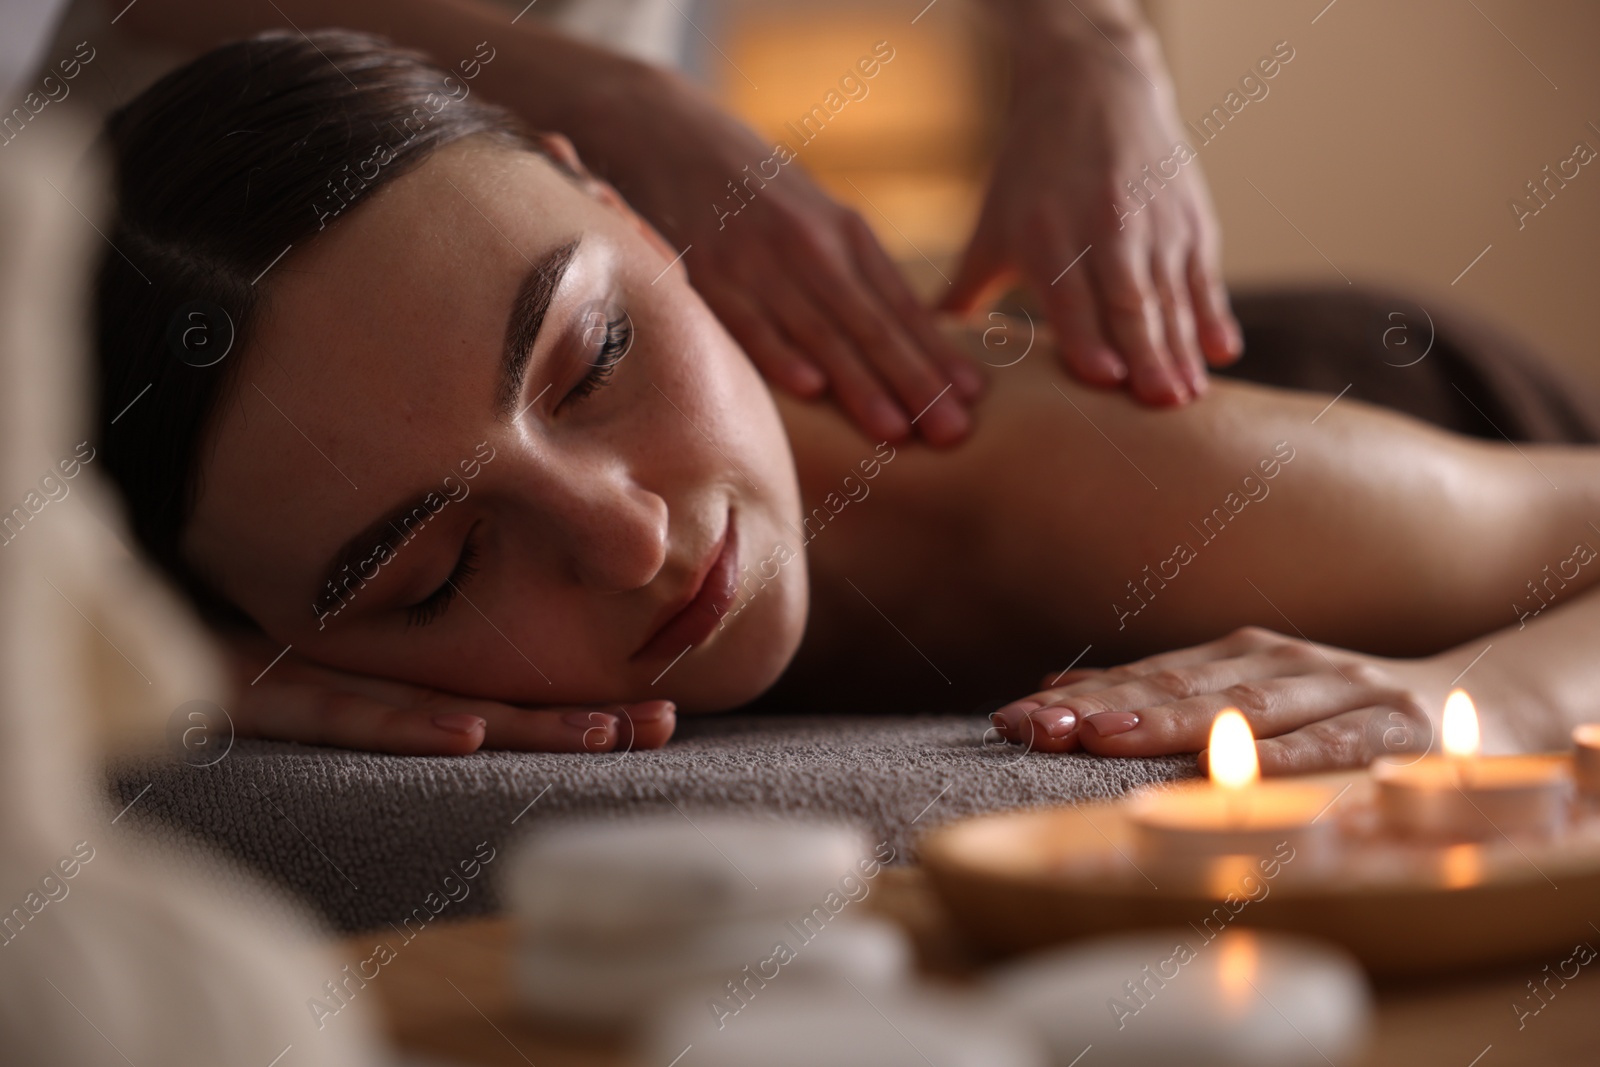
(1539, 678)
(1316, 707)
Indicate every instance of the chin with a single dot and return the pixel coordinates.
(752, 649)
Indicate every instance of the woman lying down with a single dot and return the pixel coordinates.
(476, 450)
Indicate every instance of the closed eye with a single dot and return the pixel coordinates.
(614, 344)
(438, 602)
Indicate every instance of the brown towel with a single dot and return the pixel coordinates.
(1429, 360)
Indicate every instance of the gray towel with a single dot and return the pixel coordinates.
(365, 839)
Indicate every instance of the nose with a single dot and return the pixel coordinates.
(613, 530)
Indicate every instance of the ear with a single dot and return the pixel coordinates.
(560, 149)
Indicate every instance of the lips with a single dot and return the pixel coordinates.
(703, 605)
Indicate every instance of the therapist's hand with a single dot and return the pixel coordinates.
(1145, 304)
(799, 280)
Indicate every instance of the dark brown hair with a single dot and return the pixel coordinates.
(220, 167)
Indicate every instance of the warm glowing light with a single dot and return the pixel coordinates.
(1237, 963)
(1460, 725)
(1222, 875)
(1233, 751)
(1461, 866)
(1586, 757)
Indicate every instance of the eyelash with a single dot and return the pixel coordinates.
(619, 334)
(429, 609)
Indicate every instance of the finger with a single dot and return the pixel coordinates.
(1272, 707)
(777, 360)
(951, 363)
(1220, 334)
(1239, 642)
(428, 723)
(602, 728)
(1172, 684)
(878, 342)
(861, 395)
(315, 715)
(1131, 316)
(1069, 677)
(647, 725)
(1172, 291)
(1071, 306)
(1337, 743)
(1040, 729)
(1245, 653)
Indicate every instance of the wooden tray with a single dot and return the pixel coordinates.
(1017, 881)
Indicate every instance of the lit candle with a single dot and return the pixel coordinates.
(1467, 796)
(1235, 767)
(1586, 757)
(1460, 734)
(1234, 813)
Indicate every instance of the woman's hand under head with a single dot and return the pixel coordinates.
(288, 698)
(488, 391)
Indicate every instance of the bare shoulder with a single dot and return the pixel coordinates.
(1042, 438)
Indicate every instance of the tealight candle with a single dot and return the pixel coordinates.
(1463, 795)
(1586, 757)
(1235, 813)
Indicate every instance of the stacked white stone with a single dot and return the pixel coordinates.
(616, 916)
(723, 941)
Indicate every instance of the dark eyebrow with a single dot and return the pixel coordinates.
(539, 285)
(528, 310)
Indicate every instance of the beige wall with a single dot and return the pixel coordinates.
(1394, 139)
(909, 155)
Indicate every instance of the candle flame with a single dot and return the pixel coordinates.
(1233, 751)
(1460, 725)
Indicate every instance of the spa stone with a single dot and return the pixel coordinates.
(589, 882)
(726, 970)
(1241, 999)
(837, 1026)
(616, 917)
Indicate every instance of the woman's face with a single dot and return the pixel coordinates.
(486, 438)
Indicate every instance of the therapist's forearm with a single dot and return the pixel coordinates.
(1039, 33)
(553, 81)
(1037, 22)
